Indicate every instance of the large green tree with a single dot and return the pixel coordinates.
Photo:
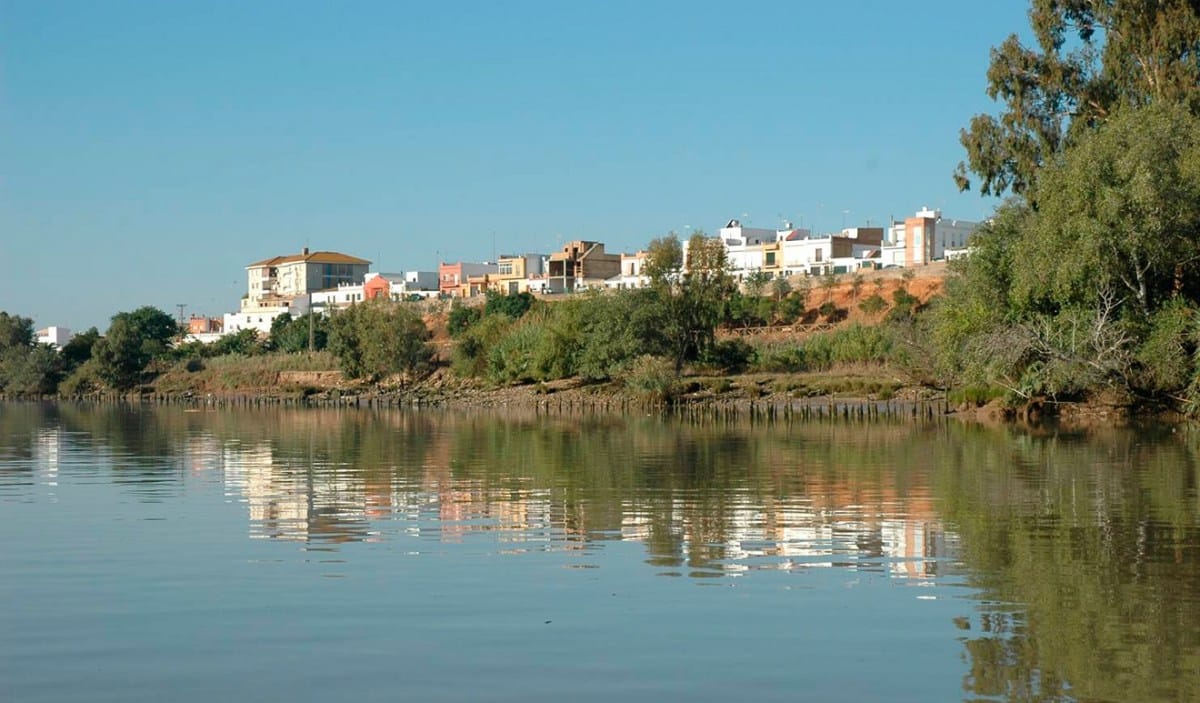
(375, 339)
(1089, 57)
(1119, 215)
(131, 342)
(692, 284)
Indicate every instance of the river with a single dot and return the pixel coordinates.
(204, 555)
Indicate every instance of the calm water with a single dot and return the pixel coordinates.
(158, 554)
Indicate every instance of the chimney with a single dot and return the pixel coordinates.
(304, 251)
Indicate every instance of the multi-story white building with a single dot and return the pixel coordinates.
(275, 282)
(284, 283)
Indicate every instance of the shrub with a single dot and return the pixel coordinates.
(1165, 357)
(975, 394)
(720, 385)
(872, 304)
(83, 380)
(514, 306)
(652, 379)
(461, 318)
(732, 355)
(780, 358)
(512, 359)
(470, 358)
(375, 339)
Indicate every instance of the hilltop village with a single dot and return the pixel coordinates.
(322, 281)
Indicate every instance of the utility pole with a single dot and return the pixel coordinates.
(310, 324)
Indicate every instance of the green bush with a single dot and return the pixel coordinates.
(83, 380)
(514, 306)
(732, 355)
(872, 304)
(470, 357)
(652, 379)
(1165, 357)
(780, 358)
(379, 338)
(461, 318)
(513, 358)
(855, 344)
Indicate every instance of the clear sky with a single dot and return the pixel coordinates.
(150, 150)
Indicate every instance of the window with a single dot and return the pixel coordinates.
(333, 275)
(818, 254)
(770, 258)
(506, 268)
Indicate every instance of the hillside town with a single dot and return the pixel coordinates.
(322, 281)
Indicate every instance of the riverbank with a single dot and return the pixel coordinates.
(860, 393)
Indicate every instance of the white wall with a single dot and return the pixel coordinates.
(258, 320)
(57, 336)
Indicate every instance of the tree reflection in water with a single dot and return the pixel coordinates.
(1082, 548)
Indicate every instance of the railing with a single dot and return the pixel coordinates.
(786, 329)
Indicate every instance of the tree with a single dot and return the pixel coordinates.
(376, 339)
(1119, 215)
(780, 288)
(131, 342)
(291, 334)
(120, 355)
(15, 331)
(1091, 57)
(79, 349)
(829, 282)
(756, 283)
(30, 370)
(692, 289)
(617, 329)
(245, 342)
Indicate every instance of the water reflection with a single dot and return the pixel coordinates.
(1081, 550)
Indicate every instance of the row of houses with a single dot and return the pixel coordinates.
(325, 280)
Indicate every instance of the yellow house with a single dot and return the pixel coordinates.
(514, 272)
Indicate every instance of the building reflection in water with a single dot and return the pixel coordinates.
(828, 523)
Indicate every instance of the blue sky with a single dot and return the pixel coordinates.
(150, 150)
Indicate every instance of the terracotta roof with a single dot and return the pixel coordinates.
(315, 257)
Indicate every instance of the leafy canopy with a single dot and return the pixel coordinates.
(1090, 57)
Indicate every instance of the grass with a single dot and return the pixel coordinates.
(975, 395)
(235, 372)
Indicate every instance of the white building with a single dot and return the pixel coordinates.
(54, 335)
(792, 251)
(632, 272)
(275, 282)
(260, 320)
(926, 237)
(410, 282)
(750, 249)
